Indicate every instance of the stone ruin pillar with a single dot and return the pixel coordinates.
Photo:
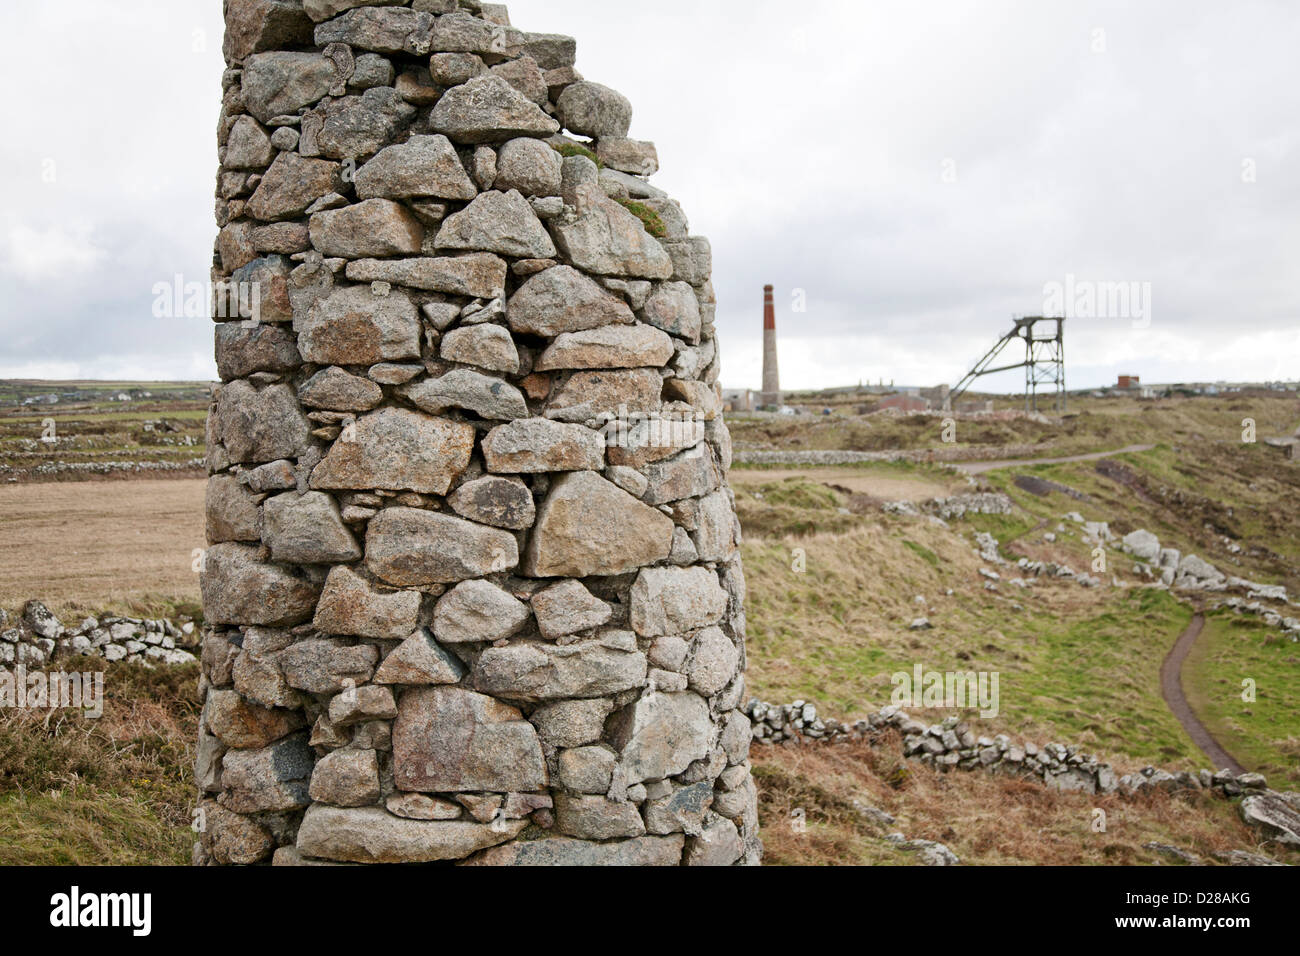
(472, 589)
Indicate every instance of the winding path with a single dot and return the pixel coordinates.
(979, 467)
(1171, 688)
(1171, 670)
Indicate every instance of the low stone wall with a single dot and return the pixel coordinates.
(48, 468)
(954, 506)
(952, 745)
(752, 456)
(1187, 572)
(1289, 626)
(38, 638)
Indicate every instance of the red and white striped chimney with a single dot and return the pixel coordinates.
(771, 394)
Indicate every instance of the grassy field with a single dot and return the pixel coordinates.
(1264, 734)
(1092, 424)
(833, 583)
(833, 586)
(118, 791)
(86, 546)
(885, 481)
(1076, 664)
(160, 423)
(984, 819)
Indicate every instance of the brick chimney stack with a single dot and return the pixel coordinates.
(771, 393)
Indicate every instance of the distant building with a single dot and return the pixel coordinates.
(738, 399)
(905, 402)
(1127, 382)
(937, 395)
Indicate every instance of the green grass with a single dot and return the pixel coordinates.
(575, 149)
(900, 468)
(1086, 674)
(82, 415)
(1006, 528)
(1078, 665)
(88, 827)
(649, 218)
(1096, 679)
(925, 553)
(91, 431)
(1264, 735)
(793, 506)
(798, 493)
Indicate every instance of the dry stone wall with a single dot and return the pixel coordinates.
(37, 638)
(472, 589)
(953, 744)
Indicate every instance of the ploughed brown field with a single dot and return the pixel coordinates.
(82, 546)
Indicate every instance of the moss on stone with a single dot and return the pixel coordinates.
(575, 149)
(649, 218)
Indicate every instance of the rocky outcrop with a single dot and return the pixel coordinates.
(454, 612)
(1187, 572)
(1277, 815)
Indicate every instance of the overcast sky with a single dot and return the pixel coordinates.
(911, 174)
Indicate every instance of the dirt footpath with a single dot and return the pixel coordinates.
(1171, 688)
(979, 467)
(853, 479)
(89, 543)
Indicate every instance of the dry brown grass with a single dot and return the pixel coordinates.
(984, 818)
(117, 789)
(85, 546)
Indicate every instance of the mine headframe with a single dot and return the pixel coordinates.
(1044, 362)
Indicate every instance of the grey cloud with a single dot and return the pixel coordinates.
(808, 142)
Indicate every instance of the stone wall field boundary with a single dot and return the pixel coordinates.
(952, 745)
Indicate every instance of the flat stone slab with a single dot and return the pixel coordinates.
(589, 526)
(409, 546)
(397, 449)
(240, 589)
(450, 740)
(479, 275)
(352, 326)
(562, 851)
(562, 299)
(373, 835)
(533, 671)
(1274, 815)
(350, 605)
(487, 109)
